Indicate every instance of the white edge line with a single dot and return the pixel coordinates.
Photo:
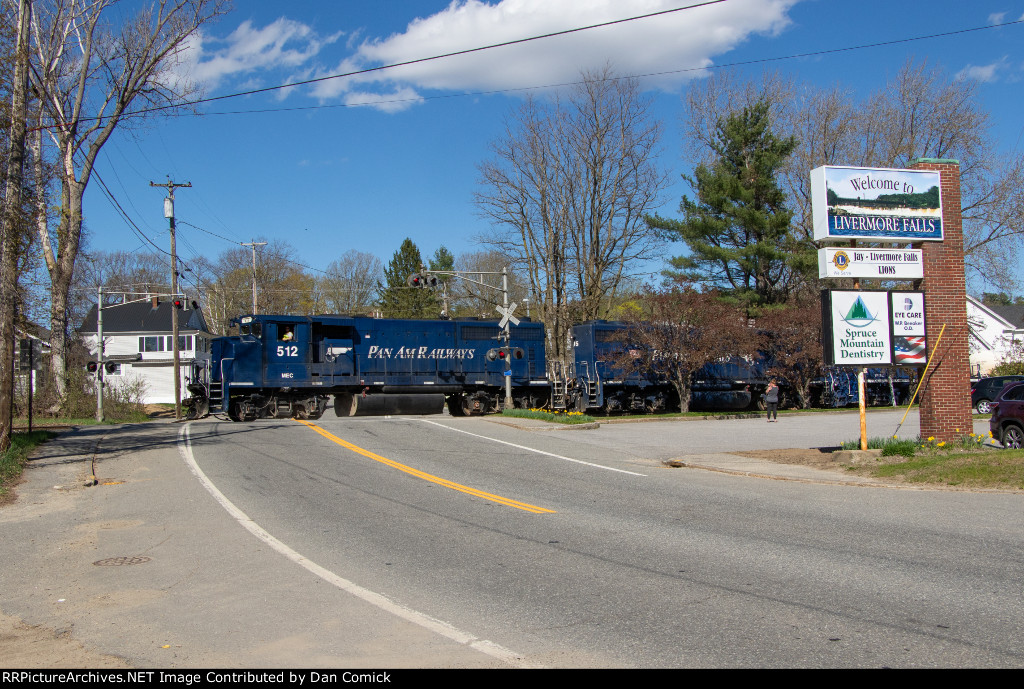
(531, 449)
(383, 602)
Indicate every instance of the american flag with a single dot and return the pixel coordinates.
(910, 351)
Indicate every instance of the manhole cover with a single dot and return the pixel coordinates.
(118, 561)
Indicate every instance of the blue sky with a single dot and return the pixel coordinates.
(327, 175)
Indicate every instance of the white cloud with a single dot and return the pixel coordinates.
(282, 44)
(397, 100)
(996, 17)
(682, 40)
(984, 73)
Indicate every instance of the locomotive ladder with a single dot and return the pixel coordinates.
(559, 385)
(216, 395)
(592, 387)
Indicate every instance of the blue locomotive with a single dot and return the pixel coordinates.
(290, 366)
(591, 382)
(594, 383)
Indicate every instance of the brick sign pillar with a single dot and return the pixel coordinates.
(945, 395)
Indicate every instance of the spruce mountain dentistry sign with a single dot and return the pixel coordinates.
(873, 328)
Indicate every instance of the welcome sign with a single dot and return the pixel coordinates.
(876, 204)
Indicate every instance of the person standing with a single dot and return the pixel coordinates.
(771, 398)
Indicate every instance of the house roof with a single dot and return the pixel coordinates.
(1010, 316)
(143, 317)
(1014, 315)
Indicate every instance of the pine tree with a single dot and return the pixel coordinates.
(397, 299)
(738, 230)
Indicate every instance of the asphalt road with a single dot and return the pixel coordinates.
(465, 543)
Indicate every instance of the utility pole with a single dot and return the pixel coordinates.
(169, 214)
(253, 244)
(99, 355)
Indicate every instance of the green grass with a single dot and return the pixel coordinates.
(13, 459)
(987, 469)
(557, 417)
(963, 462)
(890, 447)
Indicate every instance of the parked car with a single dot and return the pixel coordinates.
(1007, 423)
(986, 389)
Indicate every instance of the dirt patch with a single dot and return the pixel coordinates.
(160, 411)
(24, 646)
(819, 458)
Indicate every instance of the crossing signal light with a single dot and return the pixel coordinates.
(110, 366)
(91, 367)
(179, 303)
(421, 280)
(497, 354)
(517, 353)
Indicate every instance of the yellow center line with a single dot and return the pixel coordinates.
(509, 502)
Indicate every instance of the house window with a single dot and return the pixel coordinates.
(184, 343)
(151, 344)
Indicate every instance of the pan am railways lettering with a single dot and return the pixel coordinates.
(376, 352)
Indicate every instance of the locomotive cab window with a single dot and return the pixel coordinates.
(286, 332)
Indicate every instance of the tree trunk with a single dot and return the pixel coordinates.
(62, 268)
(11, 224)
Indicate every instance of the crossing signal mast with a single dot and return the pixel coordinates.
(428, 279)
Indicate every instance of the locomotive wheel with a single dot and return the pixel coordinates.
(320, 406)
(234, 411)
(457, 405)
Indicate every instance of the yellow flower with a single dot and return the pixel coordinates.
(942, 443)
(931, 439)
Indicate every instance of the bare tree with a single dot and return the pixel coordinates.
(470, 299)
(89, 77)
(226, 286)
(567, 190)
(11, 223)
(683, 330)
(350, 282)
(790, 342)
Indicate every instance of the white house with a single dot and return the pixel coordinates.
(992, 330)
(138, 344)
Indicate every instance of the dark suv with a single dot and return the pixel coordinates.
(1007, 423)
(986, 389)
